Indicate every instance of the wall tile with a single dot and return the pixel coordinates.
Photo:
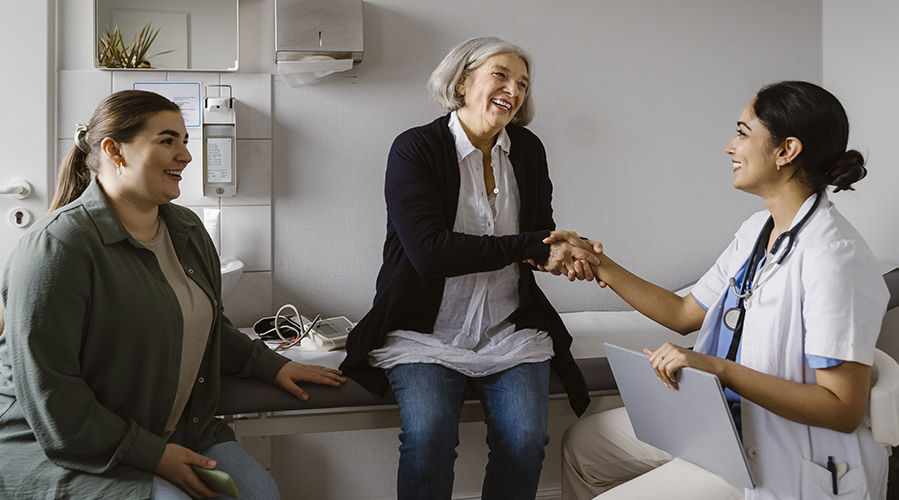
(250, 300)
(78, 94)
(254, 104)
(247, 235)
(192, 176)
(254, 173)
(205, 78)
(201, 212)
(122, 80)
(196, 210)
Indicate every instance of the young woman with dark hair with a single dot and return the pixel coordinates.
(788, 319)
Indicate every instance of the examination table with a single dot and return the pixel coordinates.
(257, 410)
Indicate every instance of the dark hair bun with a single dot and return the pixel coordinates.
(848, 169)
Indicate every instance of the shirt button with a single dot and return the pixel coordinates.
(190, 270)
(201, 380)
(215, 302)
(195, 420)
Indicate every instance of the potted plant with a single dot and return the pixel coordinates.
(113, 53)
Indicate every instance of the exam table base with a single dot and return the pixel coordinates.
(254, 430)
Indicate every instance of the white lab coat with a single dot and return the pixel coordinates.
(826, 299)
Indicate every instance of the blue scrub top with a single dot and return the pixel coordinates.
(725, 335)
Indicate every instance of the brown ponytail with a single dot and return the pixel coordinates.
(74, 177)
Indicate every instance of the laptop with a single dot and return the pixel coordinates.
(693, 422)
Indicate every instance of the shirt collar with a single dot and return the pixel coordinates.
(111, 229)
(100, 211)
(464, 147)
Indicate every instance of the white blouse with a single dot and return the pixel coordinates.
(472, 332)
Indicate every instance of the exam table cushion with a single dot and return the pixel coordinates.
(250, 395)
(589, 330)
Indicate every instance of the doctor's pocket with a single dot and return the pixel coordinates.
(815, 481)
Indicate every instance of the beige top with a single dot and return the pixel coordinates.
(196, 312)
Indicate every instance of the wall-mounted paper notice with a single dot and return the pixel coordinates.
(218, 159)
(185, 94)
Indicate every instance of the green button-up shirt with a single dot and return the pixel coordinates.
(90, 357)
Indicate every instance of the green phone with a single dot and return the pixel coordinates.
(218, 480)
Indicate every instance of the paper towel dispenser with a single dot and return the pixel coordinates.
(320, 28)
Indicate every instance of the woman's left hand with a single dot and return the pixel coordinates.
(669, 358)
(293, 372)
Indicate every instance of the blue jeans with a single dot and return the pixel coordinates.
(430, 398)
(253, 481)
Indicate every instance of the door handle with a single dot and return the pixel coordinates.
(18, 188)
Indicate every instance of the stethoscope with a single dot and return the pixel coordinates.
(733, 317)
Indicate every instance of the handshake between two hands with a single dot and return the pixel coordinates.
(571, 256)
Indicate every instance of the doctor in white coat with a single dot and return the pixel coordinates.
(788, 318)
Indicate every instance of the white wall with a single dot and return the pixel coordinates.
(636, 101)
(860, 45)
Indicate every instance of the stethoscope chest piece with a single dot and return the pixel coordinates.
(731, 318)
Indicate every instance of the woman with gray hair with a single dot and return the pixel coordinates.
(468, 203)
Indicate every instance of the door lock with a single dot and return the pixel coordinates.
(19, 217)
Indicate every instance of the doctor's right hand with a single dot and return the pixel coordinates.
(174, 467)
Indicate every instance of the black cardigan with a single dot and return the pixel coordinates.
(421, 249)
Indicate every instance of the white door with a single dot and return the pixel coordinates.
(28, 104)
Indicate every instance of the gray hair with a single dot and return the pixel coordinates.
(463, 60)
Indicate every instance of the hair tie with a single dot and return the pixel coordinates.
(80, 132)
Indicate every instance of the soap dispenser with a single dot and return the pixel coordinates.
(219, 144)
